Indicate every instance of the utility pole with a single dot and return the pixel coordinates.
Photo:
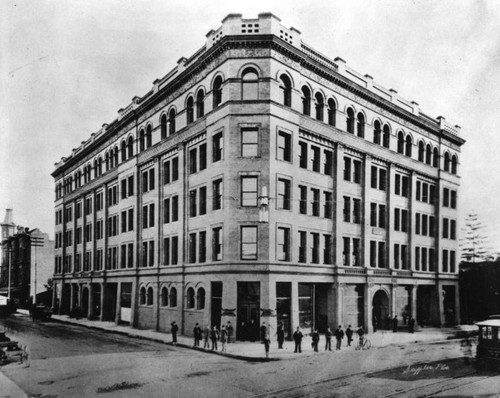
(36, 241)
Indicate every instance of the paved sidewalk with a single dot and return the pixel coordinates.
(9, 389)
(254, 351)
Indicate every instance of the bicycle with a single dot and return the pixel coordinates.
(364, 345)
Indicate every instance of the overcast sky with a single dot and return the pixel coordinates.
(67, 67)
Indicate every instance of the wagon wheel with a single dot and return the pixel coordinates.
(26, 357)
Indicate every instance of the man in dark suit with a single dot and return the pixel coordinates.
(297, 337)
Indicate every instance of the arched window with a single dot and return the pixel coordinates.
(421, 151)
(387, 134)
(250, 85)
(141, 140)
(149, 138)
(190, 298)
(428, 154)
(142, 296)
(217, 92)
(173, 297)
(190, 110)
(454, 162)
(435, 158)
(332, 109)
(163, 126)
(123, 150)
(447, 161)
(200, 105)
(306, 101)
(171, 122)
(320, 105)
(200, 299)
(376, 132)
(164, 297)
(350, 121)
(361, 125)
(149, 299)
(401, 142)
(408, 146)
(286, 90)
(107, 160)
(116, 155)
(130, 147)
(111, 159)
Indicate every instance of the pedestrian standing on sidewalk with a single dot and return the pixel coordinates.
(223, 338)
(297, 337)
(214, 336)
(328, 338)
(339, 335)
(230, 331)
(349, 333)
(197, 335)
(281, 335)
(174, 329)
(206, 337)
(263, 332)
(395, 324)
(315, 340)
(411, 325)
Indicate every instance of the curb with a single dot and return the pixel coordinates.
(183, 345)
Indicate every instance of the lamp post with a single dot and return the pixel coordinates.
(36, 241)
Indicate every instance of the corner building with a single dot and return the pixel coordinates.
(260, 181)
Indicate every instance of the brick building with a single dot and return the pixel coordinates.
(259, 180)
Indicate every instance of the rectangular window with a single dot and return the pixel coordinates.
(203, 156)
(203, 200)
(432, 260)
(347, 209)
(396, 255)
(327, 249)
(166, 211)
(328, 168)
(425, 192)
(175, 208)
(123, 189)
(175, 169)
(123, 220)
(303, 155)
(88, 206)
(217, 147)
(453, 229)
(175, 249)
(315, 248)
(166, 172)
(356, 244)
(432, 227)
(397, 219)
(404, 256)
(381, 254)
(217, 244)
(284, 146)
(151, 253)
(373, 253)
(453, 199)
(328, 207)
(404, 220)
(316, 158)
(202, 247)
(192, 248)
(346, 252)
(382, 179)
(452, 261)
(446, 197)
(356, 211)
(123, 256)
(217, 194)
(130, 250)
(373, 214)
(145, 216)
(381, 216)
(397, 184)
(78, 210)
(249, 192)
(283, 194)
(303, 199)
(315, 202)
(192, 203)
(424, 224)
(193, 162)
(423, 255)
(445, 228)
(151, 215)
(347, 169)
(302, 246)
(417, 223)
(405, 186)
(98, 201)
(417, 258)
(445, 261)
(357, 171)
(166, 251)
(249, 243)
(283, 244)
(374, 177)
(249, 142)
(418, 190)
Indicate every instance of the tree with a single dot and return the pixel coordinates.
(473, 241)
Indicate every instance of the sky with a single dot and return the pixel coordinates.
(67, 67)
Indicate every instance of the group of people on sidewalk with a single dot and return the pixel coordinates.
(208, 334)
(338, 334)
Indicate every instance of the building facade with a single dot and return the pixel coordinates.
(259, 181)
(27, 258)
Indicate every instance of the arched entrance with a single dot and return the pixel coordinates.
(85, 302)
(380, 309)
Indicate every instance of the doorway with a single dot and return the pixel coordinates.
(381, 310)
(216, 304)
(248, 315)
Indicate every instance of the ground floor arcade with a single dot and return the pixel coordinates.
(308, 302)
